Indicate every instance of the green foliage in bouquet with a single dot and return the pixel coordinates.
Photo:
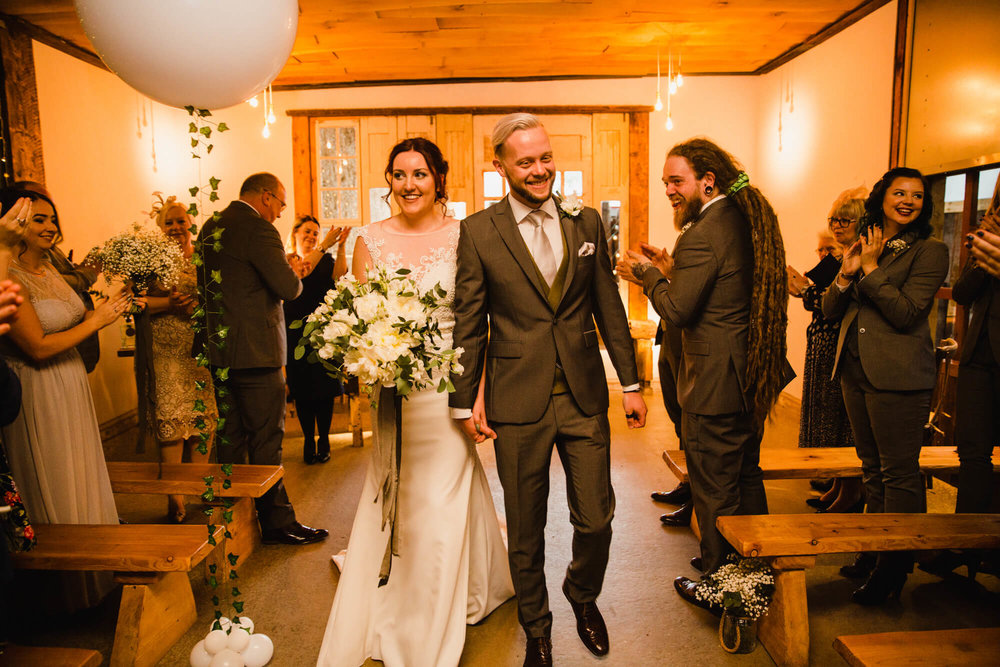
(743, 587)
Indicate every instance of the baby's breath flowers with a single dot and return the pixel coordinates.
(384, 331)
(142, 256)
(743, 587)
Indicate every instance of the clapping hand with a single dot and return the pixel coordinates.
(852, 260)
(9, 302)
(796, 282)
(14, 223)
(985, 248)
(871, 249)
(334, 236)
(181, 303)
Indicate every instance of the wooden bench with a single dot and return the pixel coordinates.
(14, 655)
(248, 482)
(151, 561)
(965, 646)
(791, 542)
(810, 462)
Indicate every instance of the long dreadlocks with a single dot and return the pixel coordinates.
(769, 298)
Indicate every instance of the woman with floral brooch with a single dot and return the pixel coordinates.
(882, 296)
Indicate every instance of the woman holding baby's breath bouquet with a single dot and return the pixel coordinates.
(448, 560)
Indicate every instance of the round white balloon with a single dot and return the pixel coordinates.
(238, 639)
(227, 658)
(259, 651)
(199, 656)
(226, 623)
(215, 641)
(209, 54)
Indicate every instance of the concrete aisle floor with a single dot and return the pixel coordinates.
(289, 590)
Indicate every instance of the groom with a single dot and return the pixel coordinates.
(532, 282)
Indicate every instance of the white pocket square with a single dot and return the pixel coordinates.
(585, 250)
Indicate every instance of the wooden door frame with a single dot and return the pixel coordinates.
(303, 121)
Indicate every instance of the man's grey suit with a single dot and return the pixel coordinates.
(255, 278)
(509, 319)
(708, 298)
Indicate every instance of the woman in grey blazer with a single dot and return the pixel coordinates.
(883, 295)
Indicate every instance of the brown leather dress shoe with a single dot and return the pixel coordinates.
(538, 652)
(686, 589)
(293, 534)
(589, 624)
(681, 518)
(696, 563)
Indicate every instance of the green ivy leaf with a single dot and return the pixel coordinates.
(222, 374)
(213, 182)
(211, 540)
(192, 209)
(189, 109)
(217, 247)
(199, 385)
(208, 149)
(227, 534)
(236, 592)
(212, 568)
(227, 484)
(222, 127)
(204, 113)
(233, 575)
(208, 496)
(227, 468)
(213, 582)
(217, 275)
(209, 479)
(192, 128)
(238, 606)
(209, 511)
(222, 391)
(232, 559)
(206, 130)
(194, 143)
(223, 332)
(227, 515)
(213, 196)
(220, 424)
(199, 405)
(216, 601)
(196, 260)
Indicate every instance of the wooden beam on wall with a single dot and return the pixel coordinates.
(899, 87)
(302, 165)
(431, 111)
(638, 201)
(21, 96)
(42, 35)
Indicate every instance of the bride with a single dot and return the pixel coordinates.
(452, 564)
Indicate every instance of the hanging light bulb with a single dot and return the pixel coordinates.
(670, 123)
(266, 132)
(673, 86)
(270, 105)
(680, 77)
(329, 146)
(253, 102)
(659, 103)
(671, 83)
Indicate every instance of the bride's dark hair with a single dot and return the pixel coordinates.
(432, 156)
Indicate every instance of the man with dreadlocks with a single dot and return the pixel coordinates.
(725, 289)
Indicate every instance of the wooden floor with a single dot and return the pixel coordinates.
(289, 590)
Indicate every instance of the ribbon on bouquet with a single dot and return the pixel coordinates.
(388, 449)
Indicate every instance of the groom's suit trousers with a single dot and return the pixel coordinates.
(524, 454)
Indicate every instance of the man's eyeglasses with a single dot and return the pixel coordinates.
(841, 222)
(276, 197)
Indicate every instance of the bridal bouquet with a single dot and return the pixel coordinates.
(141, 256)
(384, 331)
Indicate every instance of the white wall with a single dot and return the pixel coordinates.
(822, 127)
(100, 167)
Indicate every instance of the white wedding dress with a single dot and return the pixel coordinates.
(452, 564)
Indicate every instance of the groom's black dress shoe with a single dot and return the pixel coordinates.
(589, 624)
(686, 589)
(538, 652)
(679, 518)
(696, 563)
(293, 534)
(680, 495)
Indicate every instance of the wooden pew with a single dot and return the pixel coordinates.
(811, 462)
(14, 655)
(791, 542)
(965, 646)
(248, 482)
(643, 333)
(151, 561)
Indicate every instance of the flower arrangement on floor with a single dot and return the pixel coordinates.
(743, 587)
(142, 256)
(384, 331)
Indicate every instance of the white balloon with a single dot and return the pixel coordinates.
(238, 639)
(227, 658)
(227, 624)
(215, 641)
(199, 656)
(209, 54)
(259, 651)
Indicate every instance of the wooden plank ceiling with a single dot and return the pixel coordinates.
(350, 41)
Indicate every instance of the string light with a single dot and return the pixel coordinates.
(266, 132)
(270, 105)
(658, 106)
(680, 77)
(253, 102)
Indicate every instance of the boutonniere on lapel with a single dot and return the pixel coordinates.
(571, 205)
(897, 246)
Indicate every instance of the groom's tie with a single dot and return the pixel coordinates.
(541, 248)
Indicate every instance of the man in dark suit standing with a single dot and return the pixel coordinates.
(534, 276)
(724, 289)
(245, 248)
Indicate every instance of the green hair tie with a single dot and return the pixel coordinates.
(741, 182)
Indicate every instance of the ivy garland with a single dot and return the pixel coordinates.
(210, 301)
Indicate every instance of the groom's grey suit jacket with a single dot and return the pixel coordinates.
(504, 318)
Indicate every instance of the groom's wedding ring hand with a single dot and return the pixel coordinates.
(635, 409)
